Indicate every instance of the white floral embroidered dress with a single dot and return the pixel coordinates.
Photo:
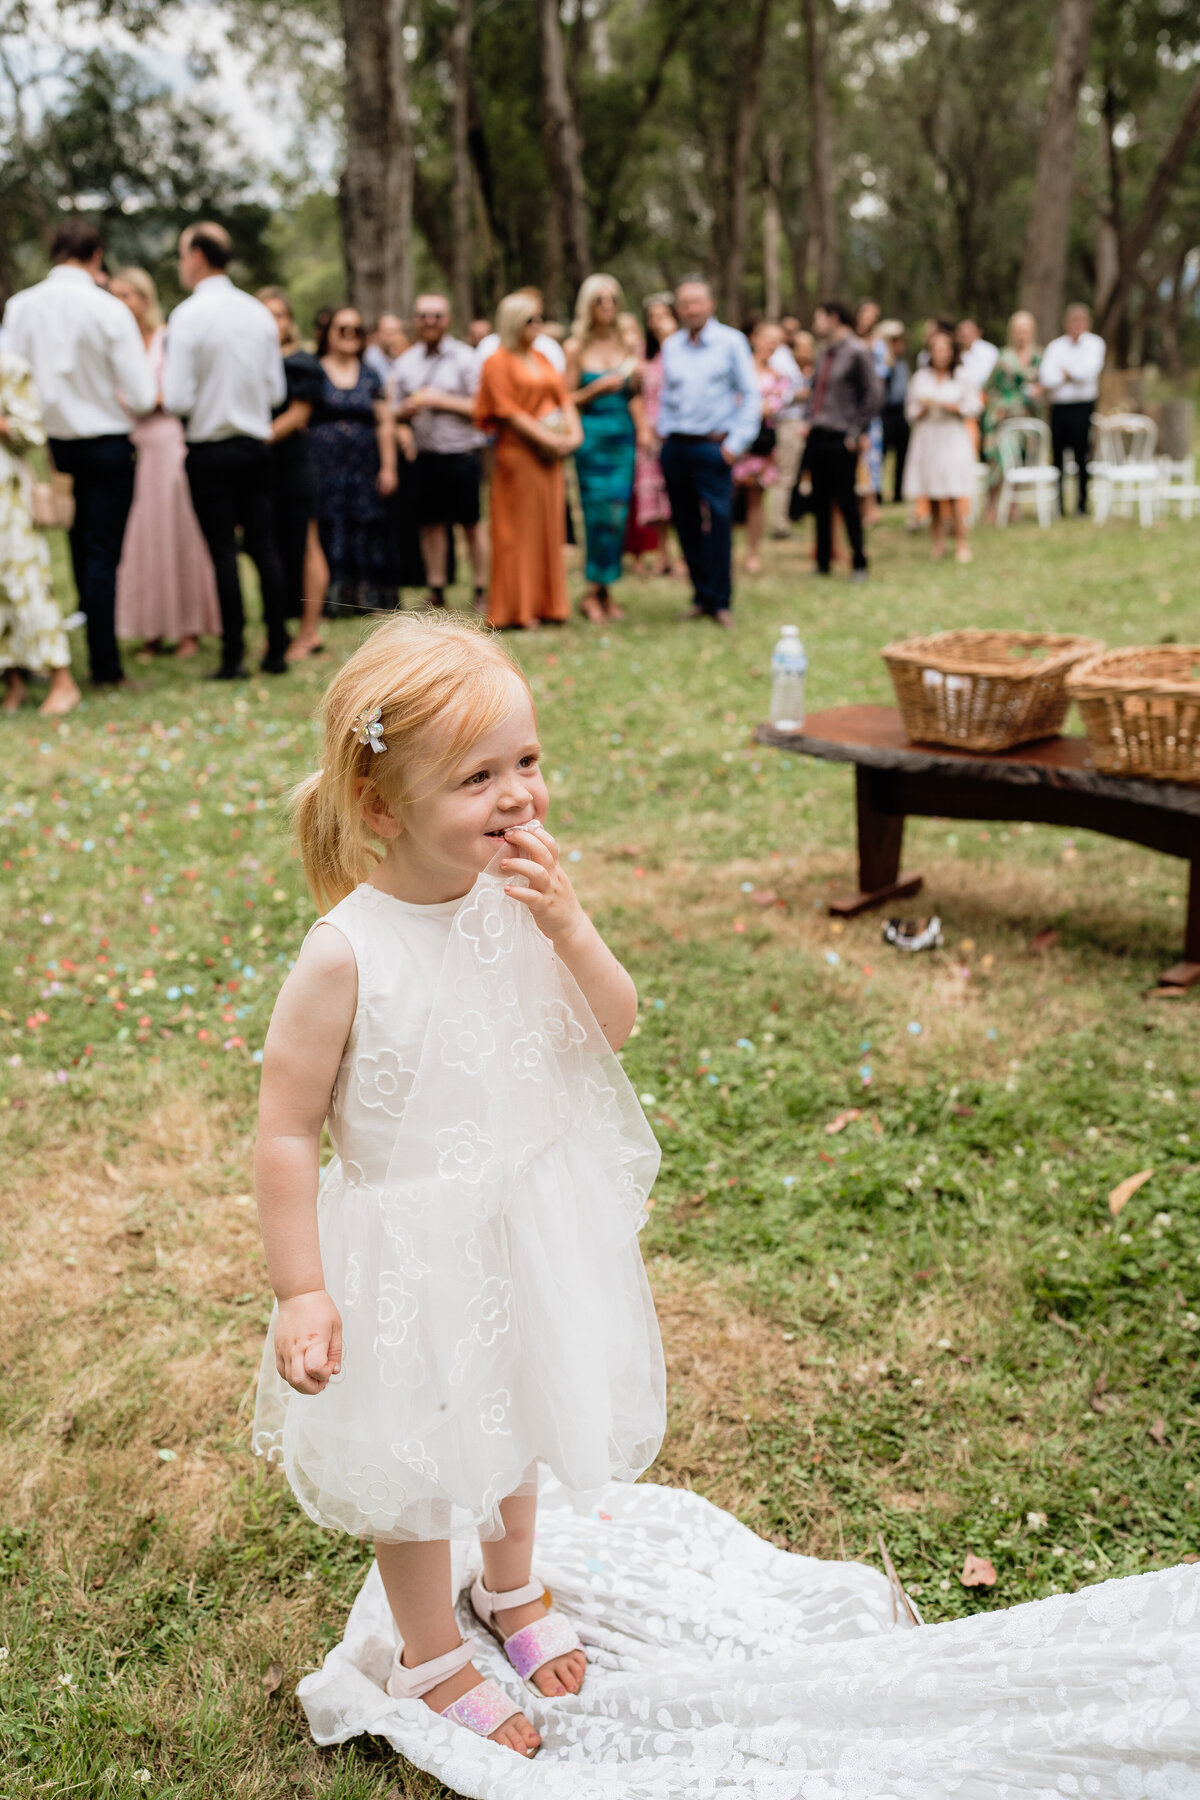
(478, 1234)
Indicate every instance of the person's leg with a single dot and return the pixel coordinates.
(846, 495)
(685, 509)
(416, 1580)
(315, 586)
(506, 1566)
(822, 503)
(936, 546)
(1081, 439)
(433, 554)
(14, 690)
(65, 452)
(256, 515)
(789, 443)
(477, 551)
(714, 484)
(213, 501)
(62, 696)
(1058, 447)
(103, 472)
(754, 530)
(958, 523)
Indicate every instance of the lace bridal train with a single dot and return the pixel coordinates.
(722, 1668)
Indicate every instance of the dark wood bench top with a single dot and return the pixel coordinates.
(873, 737)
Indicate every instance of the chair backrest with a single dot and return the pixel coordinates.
(1023, 443)
(1125, 438)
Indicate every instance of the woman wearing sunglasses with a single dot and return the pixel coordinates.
(353, 445)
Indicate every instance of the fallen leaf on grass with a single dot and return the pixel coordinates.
(272, 1679)
(1042, 941)
(977, 1572)
(1097, 1401)
(1125, 1190)
(1158, 1431)
(113, 1174)
(843, 1119)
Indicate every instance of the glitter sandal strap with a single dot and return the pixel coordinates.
(539, 1643)
(485, 1604)
(483, 1710)
(411, 1684)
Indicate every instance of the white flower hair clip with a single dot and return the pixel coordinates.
(368, 730)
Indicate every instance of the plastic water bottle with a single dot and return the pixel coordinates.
(788, 667)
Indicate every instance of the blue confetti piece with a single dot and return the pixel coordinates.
(914, 1028)
(865, 1072)
(574, 855)
(659, 1004)
(188, 989)
(744, 1044)
(863, 1048)
(991, 1031)
(832, 958)
(789, 1181)
(594, 1566)
(714, 1081)
(89, 845)
(173, 993)
(256, 1056)
(747, 887)
(247, 972)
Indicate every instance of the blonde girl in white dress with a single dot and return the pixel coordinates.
(940, 466)
(460, 1295)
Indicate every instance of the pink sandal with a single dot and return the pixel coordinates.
(483, 1709)
(534, 1645)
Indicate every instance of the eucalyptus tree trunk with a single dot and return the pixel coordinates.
(563, 151)
(822, 227)
(1137, 240)
(744, 121)
(398, 241)
(364, 196)
(462, 293)
(1044, 265)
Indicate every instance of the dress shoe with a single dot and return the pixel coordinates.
(276, 664)
(724, 618)
(229, 672)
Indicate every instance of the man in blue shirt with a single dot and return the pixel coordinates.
(709, 415)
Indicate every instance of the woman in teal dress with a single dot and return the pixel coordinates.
(604, 380)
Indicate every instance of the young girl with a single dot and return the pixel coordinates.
(460, 1297)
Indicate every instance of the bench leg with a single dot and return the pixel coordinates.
(880, 839)
(1186, 973)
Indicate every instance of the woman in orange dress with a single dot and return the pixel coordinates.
(523, 399)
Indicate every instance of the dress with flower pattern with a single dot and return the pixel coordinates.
(478, 1230)
(31, 627)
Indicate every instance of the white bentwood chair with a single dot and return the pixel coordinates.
(1125, 472)
(1028, 476)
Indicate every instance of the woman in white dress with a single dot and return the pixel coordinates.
(32, 638)
(941, 456)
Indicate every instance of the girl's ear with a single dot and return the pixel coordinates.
(377, 814)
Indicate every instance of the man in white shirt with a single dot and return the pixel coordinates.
(223, 375)
(387, 346)
(91, 372)
(434, 387)
(976, 357)
(1070, 378)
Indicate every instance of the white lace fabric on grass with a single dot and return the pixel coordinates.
(479, 1235)
(722, 1668)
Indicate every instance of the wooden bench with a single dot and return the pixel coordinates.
(1048, 783)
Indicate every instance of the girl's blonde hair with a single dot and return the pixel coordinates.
(583, 327)
(513, 315)
(142, 282)
(422, 672)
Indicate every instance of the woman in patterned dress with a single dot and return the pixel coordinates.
(755, 471)
(31, 631)
(1012, 390)
(353, 441)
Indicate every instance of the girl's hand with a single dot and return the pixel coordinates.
(386, 481)
(550, 897)
(308, 1341)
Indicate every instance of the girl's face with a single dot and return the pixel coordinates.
(455, 830)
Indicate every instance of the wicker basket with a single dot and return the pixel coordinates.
(984, 690)
(1141, 710)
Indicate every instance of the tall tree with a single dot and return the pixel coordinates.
(745, 119)
(822, 223)
(461, 286)
(398, 246)
(365, 194)
(1044, 266)
(1137, 241)
(564, 154)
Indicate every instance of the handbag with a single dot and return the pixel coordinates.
(764, 443)
(52, 502)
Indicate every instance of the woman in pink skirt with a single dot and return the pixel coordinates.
(165, 583)
(651, 507)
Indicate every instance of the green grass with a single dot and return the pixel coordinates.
(927, 1324)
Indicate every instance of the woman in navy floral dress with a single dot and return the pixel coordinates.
(352, 438)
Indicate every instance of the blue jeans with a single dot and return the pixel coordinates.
(102, 469)
(700, 486)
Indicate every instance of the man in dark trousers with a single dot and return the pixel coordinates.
(92, 373)
(846, 395)
(223, 375)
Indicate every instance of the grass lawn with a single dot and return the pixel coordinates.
(926, 1324)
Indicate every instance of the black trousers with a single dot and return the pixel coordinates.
(231, 483)
(292, 512)
(833, 468)
(102, 469)
(1071, 429)
(895, 437)
(700, 487)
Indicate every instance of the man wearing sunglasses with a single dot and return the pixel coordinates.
(434, 388)
(223, 375)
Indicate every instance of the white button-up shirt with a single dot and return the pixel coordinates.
(223, 371)
(89, 363)
(978, 361)
(451, 367)
(1071, 368)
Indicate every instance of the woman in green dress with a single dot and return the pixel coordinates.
(604, 381)
(1011, 390)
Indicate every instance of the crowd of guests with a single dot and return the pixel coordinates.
(345, 471)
